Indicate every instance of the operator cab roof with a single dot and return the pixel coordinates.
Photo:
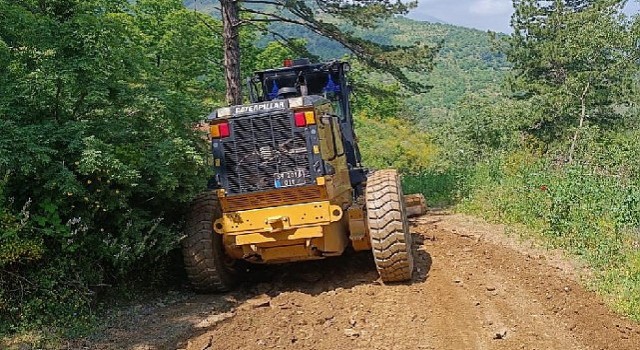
(302, 64)
(319, 79)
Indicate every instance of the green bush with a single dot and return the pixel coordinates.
(394, 143)
(441, 188)
(98, 154)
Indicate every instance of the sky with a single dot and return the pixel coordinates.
(480, 14)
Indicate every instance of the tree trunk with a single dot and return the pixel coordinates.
(231, 38)
(583, 116)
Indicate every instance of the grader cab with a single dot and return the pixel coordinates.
(289, 184)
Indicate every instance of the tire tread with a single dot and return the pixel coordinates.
(202, 248)
(388, 227)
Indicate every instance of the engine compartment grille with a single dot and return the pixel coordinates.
(285, 196)
(262, 146)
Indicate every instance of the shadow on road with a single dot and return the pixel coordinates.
(161, 324)
(422, 262)
(315, 277)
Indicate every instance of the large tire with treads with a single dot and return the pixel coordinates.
(208, 267)
(388, 226)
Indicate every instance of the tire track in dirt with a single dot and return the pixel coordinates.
(475, 288)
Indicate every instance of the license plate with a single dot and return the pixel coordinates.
(290, 178)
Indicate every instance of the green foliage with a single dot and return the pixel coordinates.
(386, 138)
(275, 53)
(97, 153)
(374, 94)
(337, 22)
(392, 143)
(590, 212)
(482, 124)
(575, 62)
(441, 188)
(15, 247)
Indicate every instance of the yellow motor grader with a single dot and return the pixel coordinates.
(289, 184)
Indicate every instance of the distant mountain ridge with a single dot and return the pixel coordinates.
(419, 16)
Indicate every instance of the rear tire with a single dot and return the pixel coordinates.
(388, 226)
(207, 265)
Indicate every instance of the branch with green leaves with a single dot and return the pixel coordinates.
(331, 19)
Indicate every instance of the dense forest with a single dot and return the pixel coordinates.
(99, 155)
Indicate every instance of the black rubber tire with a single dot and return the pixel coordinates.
(208, 267)
(388, 226)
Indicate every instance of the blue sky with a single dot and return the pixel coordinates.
(481, 14)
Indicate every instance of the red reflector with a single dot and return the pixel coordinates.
(300, 120)
(288, 63)
(224, 130)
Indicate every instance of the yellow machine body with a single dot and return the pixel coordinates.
(298, 223)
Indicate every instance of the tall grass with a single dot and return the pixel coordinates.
(585, 210)
(441, 188)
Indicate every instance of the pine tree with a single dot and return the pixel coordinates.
(578, 5)
(574, 58)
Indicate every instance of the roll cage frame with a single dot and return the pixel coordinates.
(328, 80)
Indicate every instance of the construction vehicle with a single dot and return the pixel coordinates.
(289, 184)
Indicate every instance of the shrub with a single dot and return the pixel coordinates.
(97, 152)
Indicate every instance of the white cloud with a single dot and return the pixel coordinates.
(491, 7)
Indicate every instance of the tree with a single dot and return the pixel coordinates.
(97, 150)
(275, 53)
(575, 60)
(322, 17)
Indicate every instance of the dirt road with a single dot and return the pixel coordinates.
(474, 288)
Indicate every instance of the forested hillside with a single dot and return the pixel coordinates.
(465, 63)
